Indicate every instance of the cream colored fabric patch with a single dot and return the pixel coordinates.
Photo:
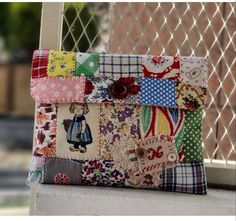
(70, 142)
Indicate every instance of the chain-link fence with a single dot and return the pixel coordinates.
(187, 29)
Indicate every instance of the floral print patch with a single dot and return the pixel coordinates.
(87, 64)
(117, 123)
(102, 173)
(165, 67)
(189, 97)
(61, 63)
(193, 71)
(45, 130)
(149, 180)
(116, 89)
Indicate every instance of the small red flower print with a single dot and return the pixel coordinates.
(127, 81)
(88, 87)
(61, 178)
(122, 88)
(134, 89)
(158, 60)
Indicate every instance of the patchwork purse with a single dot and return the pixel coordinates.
(118, 120)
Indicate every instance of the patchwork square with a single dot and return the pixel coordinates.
(87, 64)
(158, 92)
(192, 137)
(193, 70)
(185, 177)
(45, 131)
(62, 171)
(39, 63)
(152, 153)
(121, 65)
(149, 180)
(61, 64)
(58, 89)
(97, 89)
(189, 96)
(77, 131)
(119, 125)
(102, 173)
(166, 67)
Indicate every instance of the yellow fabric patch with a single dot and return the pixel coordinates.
(61, 63)
(163, 124)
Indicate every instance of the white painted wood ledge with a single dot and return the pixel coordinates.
(81, 200)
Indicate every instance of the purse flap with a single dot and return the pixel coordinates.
(169, 81)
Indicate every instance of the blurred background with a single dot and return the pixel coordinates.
(189, 29)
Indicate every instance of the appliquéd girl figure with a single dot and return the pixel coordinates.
(78, 131)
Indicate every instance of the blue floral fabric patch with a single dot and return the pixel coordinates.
(158, 92)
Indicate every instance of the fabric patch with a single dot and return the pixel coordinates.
(158, 92)
(35, 176)
(45, 130)
(165, 67)
(149, 180)
(189, 97)
(58, 89)
(87, 64)
(117, 90)
(77, 131)
(193, 71)
(192, 139)
(61, 64)
(39, 63)
(161, 120)
(153, 153)
(185, 177)
(102, 173)
(62, 171)
(121, 65)
(96, 89)
(118, 123)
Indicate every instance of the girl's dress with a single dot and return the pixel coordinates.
(74, 134)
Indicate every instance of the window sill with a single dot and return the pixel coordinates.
(78, 200)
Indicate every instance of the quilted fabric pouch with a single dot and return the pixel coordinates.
(118, 120)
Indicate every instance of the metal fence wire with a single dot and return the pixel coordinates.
(186, 29)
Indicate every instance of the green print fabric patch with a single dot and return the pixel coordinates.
(193, 135)
(87, 64)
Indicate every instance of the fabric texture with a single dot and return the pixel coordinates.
(39, 63)
(158, 92)
(185, 177)
(57, 89)
(121, 65)
(62, 171)
(118, 120)
(61, 63)
(87, 64)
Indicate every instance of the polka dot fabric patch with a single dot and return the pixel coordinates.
(158, 92)
(87, 64)
(192, 139)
